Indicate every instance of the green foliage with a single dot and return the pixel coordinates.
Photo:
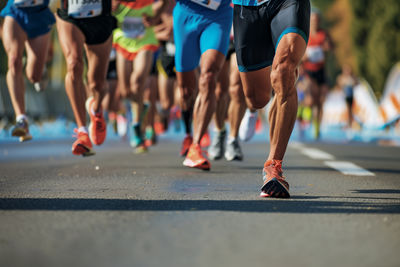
(376, 38)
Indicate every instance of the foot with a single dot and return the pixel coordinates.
(217, 147)
(187, 142)
(82, 146)
(275, 184)
(97, 127)
(195, 158)
(248, 125)
(21, 130)
(233, 151)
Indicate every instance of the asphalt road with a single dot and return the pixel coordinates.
(121, 209)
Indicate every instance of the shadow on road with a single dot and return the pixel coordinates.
(301, 205)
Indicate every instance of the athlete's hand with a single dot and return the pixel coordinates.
(114, 5)
(150, 21)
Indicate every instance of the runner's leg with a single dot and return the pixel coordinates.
(72, 41)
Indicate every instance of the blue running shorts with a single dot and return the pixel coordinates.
(198, 29)
(35, 21)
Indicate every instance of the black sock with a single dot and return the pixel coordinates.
(187, 120)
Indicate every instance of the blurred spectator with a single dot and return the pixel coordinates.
(347, 81)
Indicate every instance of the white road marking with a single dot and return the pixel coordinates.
(316, 153)
(345, 167)
(348, 168)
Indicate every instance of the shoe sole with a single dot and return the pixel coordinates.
(274, 188)
(141, 150)
(25, 138)
(205, 166)
(237, 158)
(18, 132)
(83, 150)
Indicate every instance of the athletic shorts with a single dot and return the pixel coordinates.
(231, 50)
(96, 30)
(112, 70)
(154, 70)
(318, 76)
(198, 29)
(258, 30)
(34, 23)
(166, 60)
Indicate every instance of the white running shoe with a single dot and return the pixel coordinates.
(248, 126)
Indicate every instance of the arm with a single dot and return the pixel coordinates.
(158, 8)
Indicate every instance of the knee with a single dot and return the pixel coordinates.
(236, 94)
(220, 93)
(14, 64)
(207, 81)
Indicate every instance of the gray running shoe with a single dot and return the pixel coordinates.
(217, 148)
(233, 151)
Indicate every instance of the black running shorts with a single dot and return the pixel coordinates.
(97, 30)
(166, 61)
(258, 30)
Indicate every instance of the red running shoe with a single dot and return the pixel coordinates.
(187, 142)
(275, 184)
(82, 146)
(195, 158)
(97, 127)
(205, 141)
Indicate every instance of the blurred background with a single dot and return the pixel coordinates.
(365, 37)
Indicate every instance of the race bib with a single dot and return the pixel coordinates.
(28, 3)
(133, 27)
(315, 54)
(84, 8)
(211, 4)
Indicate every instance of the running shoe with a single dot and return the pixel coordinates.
(233, 151)
(112, 119)
(82, 146)
(21, 130)
(217, 147)
(187, 142)
(151, 137)
(195, 158)
(122, 125)
(97, 126)
(275, 184)
(248, 125)
(205, 140)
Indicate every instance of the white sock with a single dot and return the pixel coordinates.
(21, 117)
(231, 139)
(82, 129)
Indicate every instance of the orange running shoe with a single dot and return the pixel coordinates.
(205, 140)
(274, 182)
(187, 142)
(82, 146)
(195, 158)
(97, 127)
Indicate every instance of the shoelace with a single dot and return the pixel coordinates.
(77, 133)
(276, 168)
